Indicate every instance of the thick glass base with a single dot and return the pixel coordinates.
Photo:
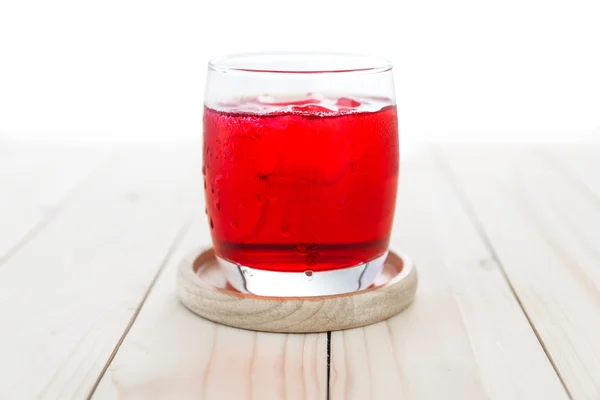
(302, 284)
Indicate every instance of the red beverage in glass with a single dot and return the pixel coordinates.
(301, 186)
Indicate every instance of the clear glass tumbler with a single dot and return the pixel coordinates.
(301, 162)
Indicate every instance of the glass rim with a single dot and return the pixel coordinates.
(299, 62)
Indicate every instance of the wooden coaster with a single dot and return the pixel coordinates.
(202, 287)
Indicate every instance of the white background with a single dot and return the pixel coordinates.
(133, 71)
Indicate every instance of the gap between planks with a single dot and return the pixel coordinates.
(172, 353)
(180, 235)
(100, 231)
(444, 167)
(328, 386)
(465, 336)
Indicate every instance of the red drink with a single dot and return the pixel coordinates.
(302, 185)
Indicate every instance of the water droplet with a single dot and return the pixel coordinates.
(286, 228)
(212, 189)
(260, 199)
(204, 184)
(312, 258)
(218, 205)
(212, 225)
(309, 274)
(235, 224)
(204, 170)
(301, 248)
(218, 179)
(205, 210)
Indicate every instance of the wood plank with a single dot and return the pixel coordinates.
(67, 295)
(465, 337)
(171, 353)
(34, 182)
(544, 228)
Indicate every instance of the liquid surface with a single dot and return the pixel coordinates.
(303, 183)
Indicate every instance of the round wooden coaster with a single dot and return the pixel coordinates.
(202, 287)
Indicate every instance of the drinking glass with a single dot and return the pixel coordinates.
(300, 165)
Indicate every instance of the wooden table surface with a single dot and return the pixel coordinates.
(506, 240)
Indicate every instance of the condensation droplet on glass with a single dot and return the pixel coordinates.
(312, 258)
(309, 274)
(301, 248)
(212, 189)
(218, 179)
(212, 225)
(205, 210)
(218, 205)
(204, 183)
(204, 170)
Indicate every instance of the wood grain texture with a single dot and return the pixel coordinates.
(68, 294)
(171, 353)
(544, 228)
(465, 336)
(202, 287)
(34, 183)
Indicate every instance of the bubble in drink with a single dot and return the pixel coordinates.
(311, 259)
(301, 248)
